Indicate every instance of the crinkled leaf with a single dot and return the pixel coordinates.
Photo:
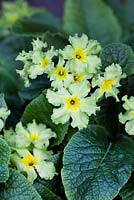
(92, 17)
(55, 185)
(40, 110)
(18, 188)
(4, 160)
(129, 40)
(45, 192)
(121, 54)
(127, 192)
(94, 168)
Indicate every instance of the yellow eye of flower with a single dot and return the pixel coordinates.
(80, 54)
(61, 73)
(78, 77)
(132, 113)
(73, 103)
(44, 62)
(30, 161)
(13, 18)
(33, 136)
(107, 85)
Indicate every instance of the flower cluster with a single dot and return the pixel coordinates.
(109, 81)
(128, 117)
(29, 150)
(77, 82)
(11, 12)
(36, 62)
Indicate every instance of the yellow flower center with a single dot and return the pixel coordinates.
(13, 18)
(30, 161)
(107, 85)
(73, 103)
(61, 73)
(44, 62)
(33, 137)
(132, 113)
(80, 54)
(78, 77)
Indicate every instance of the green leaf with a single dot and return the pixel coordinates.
(4, 160)
(9, 49)
(93, 167)
(121, 54)
(108, 117)
(45, 192)
(10, 82)
(2, 101)
(127, 192)
(18, 188)
(120, 8)
(58, 40)
(54, 185)
(36, 88)
(40, 110)
(37, 24)
(92, 17)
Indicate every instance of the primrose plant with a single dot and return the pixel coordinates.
(81, 115)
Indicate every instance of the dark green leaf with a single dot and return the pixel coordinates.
(18, 188)
(58, 40)
(45, 192)
(120, 8)
(54, 185)
(92, 17)
(121, 54)
(40, 110)
(108, 117)
(127, 192)
(4, 160)
(36, 87)
(9, 49)
(37, 24)
(94, 168)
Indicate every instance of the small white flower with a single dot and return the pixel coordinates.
(73, 103)
(30, 164)
(128, 117)
(109, 82)
(60, 76)
(36, 134)
(36, 62)
(81, 55)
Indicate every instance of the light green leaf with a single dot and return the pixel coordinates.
(94, 168)
(121, 54)
(4, 160)
(92, 17)
(40, 110)
(18, 188)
